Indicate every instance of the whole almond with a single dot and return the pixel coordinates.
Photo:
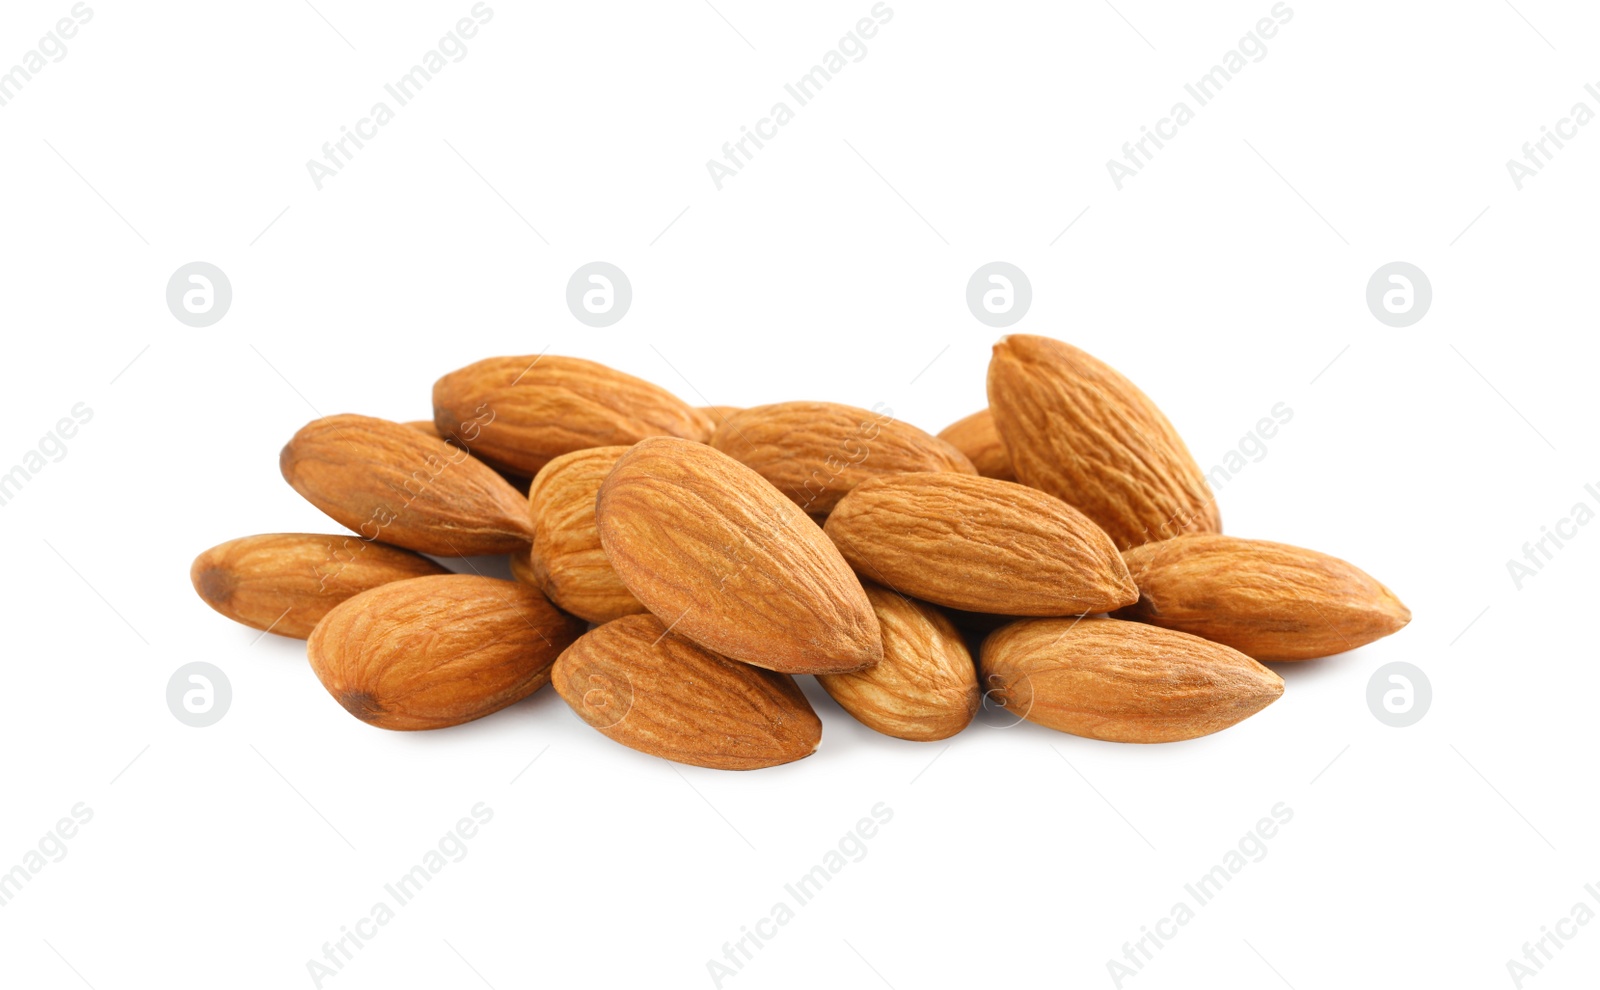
(980, 545)
(727, 561)
(815, 452)
(431, 652)
(1077, 429)
(1122, 681)
(389, 482)
(286, 582)
(1268, 600)
(661, 694)
(977, 437)
(568, 562)
(518, 413)
(926, 686)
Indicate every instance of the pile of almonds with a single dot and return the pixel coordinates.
(675, 567)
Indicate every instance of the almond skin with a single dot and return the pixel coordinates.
(286, 582)
(727, 561)
(1267, 600)
(568, 563)
(977, 437)
(661, 694)
(815, 452)
(926, 686)
(1122, 681)
(432, 652)
(1078, 430)
(388, 481)
(979, 545)
(518, 413)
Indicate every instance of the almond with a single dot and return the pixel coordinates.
(661, 694)
(388, 481)
(518, 413)
(977, 437)
(1268, 600)
(431, 652)
(815, 452)
(1077, 429)
(926, 686)
(568, 562)
(285, 582)
(1122, 681)
(727, 561)
(980, 545)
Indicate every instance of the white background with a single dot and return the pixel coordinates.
(1227, 277)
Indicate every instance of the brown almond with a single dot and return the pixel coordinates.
(568, 563)
(1270, 601)
(926, 686)
(1122, 681)
(815, 452)
(977, 437)
(431, 652)
(723, 558)
(980, 545)
(389, 482)
(660, 694)
(518, 413)
(285, 583)
(1078, 430)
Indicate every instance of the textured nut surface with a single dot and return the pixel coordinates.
(431, 652)
(815, 452)
(568, 562)
(389, 482)
(977, 437)
(1122, 681)
(661, 694)
(980, 545)
(286, 582)
(1268, 600)
(1078, 430)
(926, 686)
(727, 561)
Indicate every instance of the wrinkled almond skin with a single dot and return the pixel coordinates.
(568, 563)
(661, 694)
(389, 482)
(727, 561)
(979, 545)
(286, 582)
(815, 452)
(926, 686)
(432, 652)
(518, 413)
(1122, 681)
(522, 569)
(1270, 601)
(977, 437)
(1078, 430)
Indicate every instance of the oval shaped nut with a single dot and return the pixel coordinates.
(815, 452)
(568, 561)
(1122, 681)
(727, 561)
(661, 694)
(390, 482)
(926, 686)
(1078, 430)
(285, 583)
(518, 413)
(432, 652)
(977, 437)
(980, 545)
(1270, 601)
